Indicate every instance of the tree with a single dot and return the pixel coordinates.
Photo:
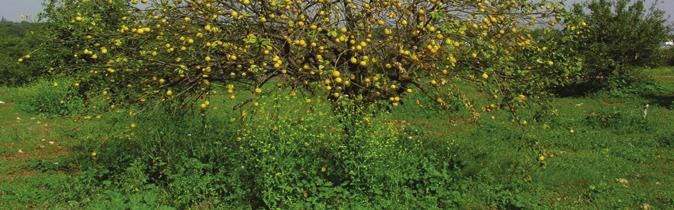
(360, 51)
(621, 35)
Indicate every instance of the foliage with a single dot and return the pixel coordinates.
(57, 97)
(15, 40)
(357, 51)
(157, 157)
(286, 156)
(620, 36)
(668, 56)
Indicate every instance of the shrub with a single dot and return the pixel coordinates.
(287, 155)
(620, 36)
(617, 120)
(50, 98)
(16, 39)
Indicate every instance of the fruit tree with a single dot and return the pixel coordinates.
(357, 50)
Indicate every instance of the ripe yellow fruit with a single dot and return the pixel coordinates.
(363, 44)
(169, 93)
(541, 158)
(336, 73)
(258, 90)
(485, 75)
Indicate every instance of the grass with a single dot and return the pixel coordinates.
(599, 153)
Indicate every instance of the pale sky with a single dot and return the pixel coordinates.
(14, 9)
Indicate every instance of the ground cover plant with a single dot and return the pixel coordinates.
(353, 104)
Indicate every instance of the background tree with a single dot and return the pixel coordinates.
(16, 42)
(621, 36)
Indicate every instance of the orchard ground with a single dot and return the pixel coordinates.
(603, 151)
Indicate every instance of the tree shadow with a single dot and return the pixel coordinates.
(577, 89)
(662, 100)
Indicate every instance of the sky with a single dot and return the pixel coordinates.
(14, 9)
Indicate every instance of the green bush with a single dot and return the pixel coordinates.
(50, 98)
(286, 155)
(16, 41)
(620, 36)
(668, 56)
(57, 97)
(617, 120)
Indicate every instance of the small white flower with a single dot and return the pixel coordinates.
(2, 102)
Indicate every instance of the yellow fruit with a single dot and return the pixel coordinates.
(522, 97)
(169, 93)
(363, 44)
(258, 90)
(485, 75)
(541, 158)
(336, 73)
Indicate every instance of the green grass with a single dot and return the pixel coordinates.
(599, 153)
